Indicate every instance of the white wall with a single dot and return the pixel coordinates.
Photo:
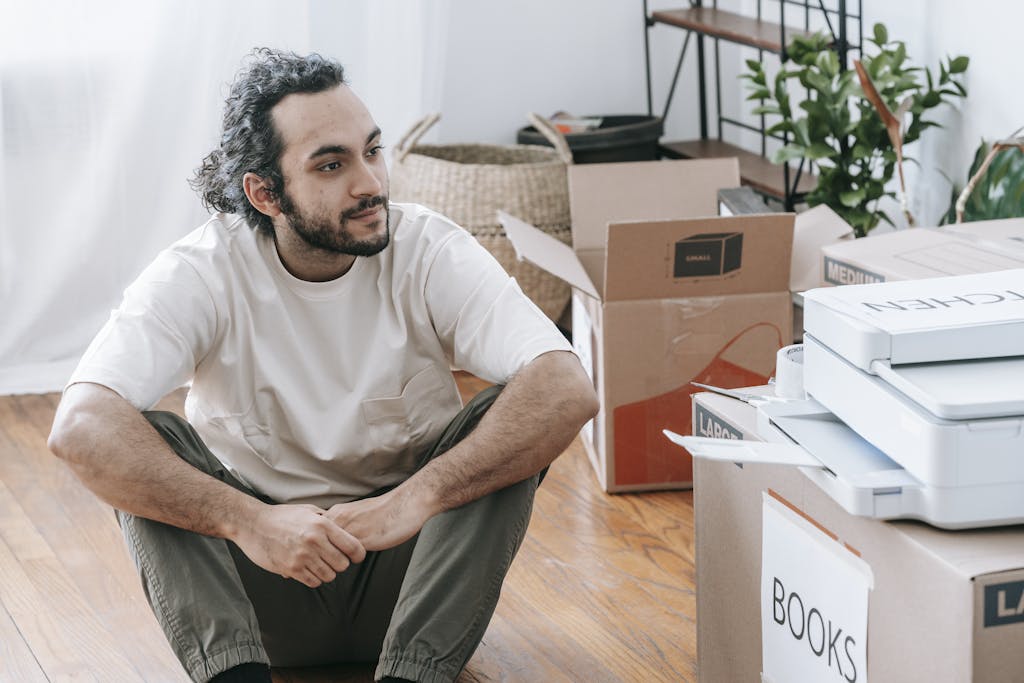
(507, 58)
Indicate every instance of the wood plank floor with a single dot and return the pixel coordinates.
(602, 589)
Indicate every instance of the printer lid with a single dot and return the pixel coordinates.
(961, 390)
(921, 321)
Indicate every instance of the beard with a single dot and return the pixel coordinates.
(333, 235)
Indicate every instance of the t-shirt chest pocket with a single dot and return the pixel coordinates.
(394, 422)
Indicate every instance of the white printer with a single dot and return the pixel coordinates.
(916, 404)
(931, 372)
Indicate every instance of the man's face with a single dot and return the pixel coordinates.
(336, 182)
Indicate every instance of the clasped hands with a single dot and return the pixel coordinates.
(312, 545)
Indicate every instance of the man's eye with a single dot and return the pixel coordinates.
(374, 151)
(332, 166)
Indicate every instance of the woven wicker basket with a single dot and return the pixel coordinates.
(468, 183)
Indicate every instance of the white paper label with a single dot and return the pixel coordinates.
(814, 602)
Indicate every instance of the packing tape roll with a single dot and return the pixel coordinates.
(789, 372)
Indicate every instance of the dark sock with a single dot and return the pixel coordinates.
(250, 672)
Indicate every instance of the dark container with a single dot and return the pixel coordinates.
(620, 138)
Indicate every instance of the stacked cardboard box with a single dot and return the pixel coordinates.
(944, 606)
(925, 252)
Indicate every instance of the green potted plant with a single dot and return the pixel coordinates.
(997, 191)
(837, 127)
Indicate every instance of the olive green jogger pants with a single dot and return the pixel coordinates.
(419, 609)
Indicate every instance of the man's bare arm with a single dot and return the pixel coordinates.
(117, 454)
(532, 422)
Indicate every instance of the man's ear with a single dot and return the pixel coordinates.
(261, 196)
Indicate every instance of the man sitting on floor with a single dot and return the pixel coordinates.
(327, 500)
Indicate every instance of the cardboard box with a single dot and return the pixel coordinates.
(645, 332)
(945, 606)
(912, 254)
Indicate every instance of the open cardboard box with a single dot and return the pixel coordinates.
(664, 293)
(944, 606)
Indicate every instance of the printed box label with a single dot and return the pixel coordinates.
(1004, 603)
(840, 273)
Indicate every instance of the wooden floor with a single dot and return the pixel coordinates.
(602, 589)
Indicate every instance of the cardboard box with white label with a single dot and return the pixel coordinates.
(940, 605)
(918, 253)
(663, 296)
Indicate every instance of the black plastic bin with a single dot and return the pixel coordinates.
(620, 138)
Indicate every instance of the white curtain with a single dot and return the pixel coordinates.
(107, 106)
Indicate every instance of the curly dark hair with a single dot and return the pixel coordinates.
(249, 142)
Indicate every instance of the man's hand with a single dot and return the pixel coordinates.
(384, 521)
(298, 542)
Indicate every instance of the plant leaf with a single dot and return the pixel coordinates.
(788, 153)
(881, 34)
(860, 151)
(959, 65)
(931, 99)
(819, 150)
(801, 133)
(852, 198)
(766, 109)
(828, 63)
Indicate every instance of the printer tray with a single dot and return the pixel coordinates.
(867, 483)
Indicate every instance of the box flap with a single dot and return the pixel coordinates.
(812, 230)
(600, 194)
(546, 252)
(698, 257)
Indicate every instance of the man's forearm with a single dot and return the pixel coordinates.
(114, 450)
(531, 423)
(118, 455)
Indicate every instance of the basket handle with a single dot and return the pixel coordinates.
(414, 134)
(553, 135)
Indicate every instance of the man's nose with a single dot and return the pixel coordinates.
(366, 183)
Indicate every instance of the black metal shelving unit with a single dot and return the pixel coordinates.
(781, 182)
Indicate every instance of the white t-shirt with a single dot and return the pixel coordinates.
(318, 392)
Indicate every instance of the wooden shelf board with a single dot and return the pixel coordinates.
(730, 26)
(755, 170)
